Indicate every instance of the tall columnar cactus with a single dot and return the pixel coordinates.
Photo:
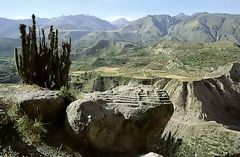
(38, 63)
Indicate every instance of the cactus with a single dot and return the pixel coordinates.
(40, 64)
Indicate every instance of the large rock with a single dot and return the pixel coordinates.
(36, 102)
(121, 120)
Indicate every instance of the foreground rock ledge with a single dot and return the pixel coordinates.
(36, 102)
(121, 120)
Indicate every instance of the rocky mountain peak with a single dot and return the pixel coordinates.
(121, 22)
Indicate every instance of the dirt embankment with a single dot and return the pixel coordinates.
(206, 113)
(213, 99)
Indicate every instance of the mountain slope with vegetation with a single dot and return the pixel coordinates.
(80, 22)
(10, 28)
(199, 27)
(165, 56)
(151, 27)
(181, 98)
(205, 27)
(7, 46)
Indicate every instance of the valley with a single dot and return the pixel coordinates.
(164, 84)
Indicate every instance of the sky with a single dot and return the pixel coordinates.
(113, 9)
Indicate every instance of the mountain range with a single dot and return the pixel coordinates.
(121, 22)
(86, 30)
(199, 27)
(9, 27)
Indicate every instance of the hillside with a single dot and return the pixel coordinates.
(199, 27)
(205, 27)
(7, 46)
(121, 22)
(196, 116)
(148, 60)
(206, 109)
(151, 27)
(207, 121)
(120, 36)
(10, 28)
(85, 29)
(80, 22)
(165, 56)
(8, 71)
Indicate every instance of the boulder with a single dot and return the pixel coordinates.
(121, 120)
(36, 102)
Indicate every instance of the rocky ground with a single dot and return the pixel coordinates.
(118, 122)
(207, 113)
(186, 118)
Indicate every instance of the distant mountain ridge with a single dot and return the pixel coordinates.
(199, 27)
(9, 27)
(7, 46)
(152, 26)
(205, 27)
(121, 22)
(81, 22)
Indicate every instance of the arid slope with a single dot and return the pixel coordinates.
(206, 113)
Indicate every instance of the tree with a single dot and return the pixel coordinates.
(42, 64)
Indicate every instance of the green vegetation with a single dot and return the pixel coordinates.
(152, 60)
(43, 65)
(191, 59)
(31, 131)
(7, 70)
(214, 142)
(8, 152)
(207, 56)
(166, 145)
(7, 46)
(105, 65)
(6, 66)
(65, 92)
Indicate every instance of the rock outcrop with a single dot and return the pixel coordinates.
(211, 99)
(121, 120)
(206, 113)
(21, 135)
(36, 102)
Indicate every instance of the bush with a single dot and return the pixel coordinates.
(8, 152)
(32, 131)
(65, 92)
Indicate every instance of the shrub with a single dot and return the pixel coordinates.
(8, 152)
(32, 131)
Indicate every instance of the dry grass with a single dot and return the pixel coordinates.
(140, 73)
